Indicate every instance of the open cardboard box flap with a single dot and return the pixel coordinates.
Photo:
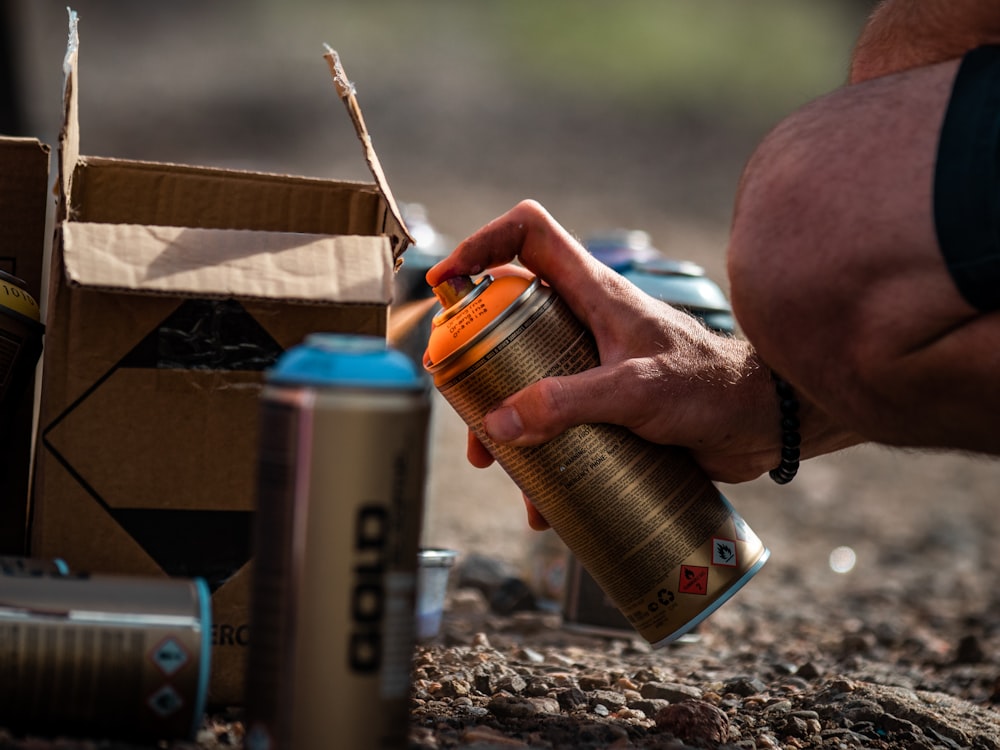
(113, 191)
(219, 263)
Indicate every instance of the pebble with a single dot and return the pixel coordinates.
(669, 691)
(694, 722)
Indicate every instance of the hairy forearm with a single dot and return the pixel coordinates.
(905, 34)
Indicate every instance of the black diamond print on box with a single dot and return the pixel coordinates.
(204, 334)
(199, 335)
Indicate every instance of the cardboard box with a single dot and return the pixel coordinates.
(24, 176)
(172, 289)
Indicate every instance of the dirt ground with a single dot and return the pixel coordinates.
(918, 523)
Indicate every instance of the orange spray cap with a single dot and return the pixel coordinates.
(468, 308)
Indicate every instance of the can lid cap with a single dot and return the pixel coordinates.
(346, 360)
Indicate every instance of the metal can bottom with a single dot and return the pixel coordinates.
(722, 599)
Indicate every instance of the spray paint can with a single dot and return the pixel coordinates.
(115, 656)
(20, 342)
(341, 470)
(33, 566)
(643, 519)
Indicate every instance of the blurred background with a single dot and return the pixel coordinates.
(637, 114)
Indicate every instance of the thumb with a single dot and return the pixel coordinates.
(549, 407)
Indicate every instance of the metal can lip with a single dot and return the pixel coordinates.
(434, 557)
(530, 290)
(481, 286)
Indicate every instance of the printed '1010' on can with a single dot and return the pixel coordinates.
(116, 656)
(643, 519)
(341, 469)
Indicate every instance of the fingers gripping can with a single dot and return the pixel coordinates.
(117, 656)
(341, 468)
(643, 519)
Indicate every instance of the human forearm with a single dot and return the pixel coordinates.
(904, 34)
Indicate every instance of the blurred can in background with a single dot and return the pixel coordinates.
(117, 656)
(341, 471)
(20, 342)
(643, 519)
(32, 566)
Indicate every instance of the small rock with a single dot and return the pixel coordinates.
(512, 683)
(570, 698)
(808, 671)
(649, 706)
(609, 698)
(745, 686)
(670, 691)
(694, 722)
(594, 681)
(511, 707)
(489, 737)
(545, 705)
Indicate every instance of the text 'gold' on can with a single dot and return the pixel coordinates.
(341, 470)
(103, 656)
(643, 519)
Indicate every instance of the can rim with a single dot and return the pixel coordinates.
(517, 302)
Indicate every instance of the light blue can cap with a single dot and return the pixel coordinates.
(346, 360)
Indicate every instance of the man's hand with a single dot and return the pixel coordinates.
(663, 374)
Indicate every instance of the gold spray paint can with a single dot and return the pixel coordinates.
(341, 468)
(114, 656)
(643, 519)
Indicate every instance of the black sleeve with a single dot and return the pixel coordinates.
(967, 180)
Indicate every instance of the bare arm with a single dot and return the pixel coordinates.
(905, 34)
(663, 374)
(837, 277)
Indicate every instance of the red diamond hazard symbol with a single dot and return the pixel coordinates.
(693, 580)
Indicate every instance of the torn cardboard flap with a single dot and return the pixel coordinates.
(347, 92)
(219, 263)
(165, 183)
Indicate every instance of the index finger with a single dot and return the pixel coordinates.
(529, 233)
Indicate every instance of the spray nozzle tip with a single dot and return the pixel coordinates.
(450, 291)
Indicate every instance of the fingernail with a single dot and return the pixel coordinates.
(503, 424)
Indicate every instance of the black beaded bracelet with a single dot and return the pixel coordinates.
(790, 437)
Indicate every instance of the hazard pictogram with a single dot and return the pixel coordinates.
(169, 656)
(165, 701)
(693, 580)
(723, 552)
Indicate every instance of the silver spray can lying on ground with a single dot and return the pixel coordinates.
(341, 470)
(103, 656)
(643, 519)
(33, 566)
